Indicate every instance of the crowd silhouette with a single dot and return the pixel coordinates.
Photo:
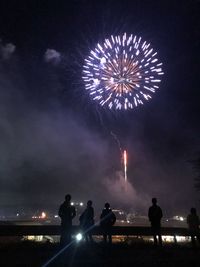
(66, 213)
(155, 215)
(107, 219)
(193, 224)
(87, 221)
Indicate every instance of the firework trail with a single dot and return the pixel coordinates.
(117, 140)
(122, 73)
(123, 154)
(100, 119)
(125, 165)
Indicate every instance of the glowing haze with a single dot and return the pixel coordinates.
(123, 72)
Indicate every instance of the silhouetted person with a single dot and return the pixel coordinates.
(87, 221)
(155, 216)
(193, 225)
(66, 213)
(108, 219)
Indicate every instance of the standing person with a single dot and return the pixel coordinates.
(66, 213)
(193, 225)
(155, 216)
(107, 220)
(87, 221)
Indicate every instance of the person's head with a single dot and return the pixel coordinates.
(68, 197)
(193, 211)
(154, 201)
(89, 203)
(107, 205)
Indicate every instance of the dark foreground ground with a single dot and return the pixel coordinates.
(27, 254)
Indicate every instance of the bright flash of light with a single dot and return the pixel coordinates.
(179, 218)
(125, 165)
(79, 237)
(43, 215)
(122, 73)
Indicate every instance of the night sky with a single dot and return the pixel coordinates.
(55, 140)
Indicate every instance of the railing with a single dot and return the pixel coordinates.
(24, 230)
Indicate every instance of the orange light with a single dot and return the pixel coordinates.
(43, 215)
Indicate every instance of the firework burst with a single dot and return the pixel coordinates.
(122, 73)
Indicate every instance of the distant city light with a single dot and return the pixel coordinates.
(179, 218)
(42, 216)
(178, 238)
(77, 204)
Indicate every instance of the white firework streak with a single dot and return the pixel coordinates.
(122, 73)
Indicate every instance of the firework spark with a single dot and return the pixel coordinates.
(122, 73)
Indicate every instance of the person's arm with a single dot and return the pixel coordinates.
(81, 218)
(101, 216)
(60, 212)
(188, 219)
(92, 213)
(161, 214)
(114, 218)
(149, 214)
(73, 212)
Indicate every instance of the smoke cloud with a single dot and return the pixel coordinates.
(123, 194)
(6, 50)
(52, 56)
